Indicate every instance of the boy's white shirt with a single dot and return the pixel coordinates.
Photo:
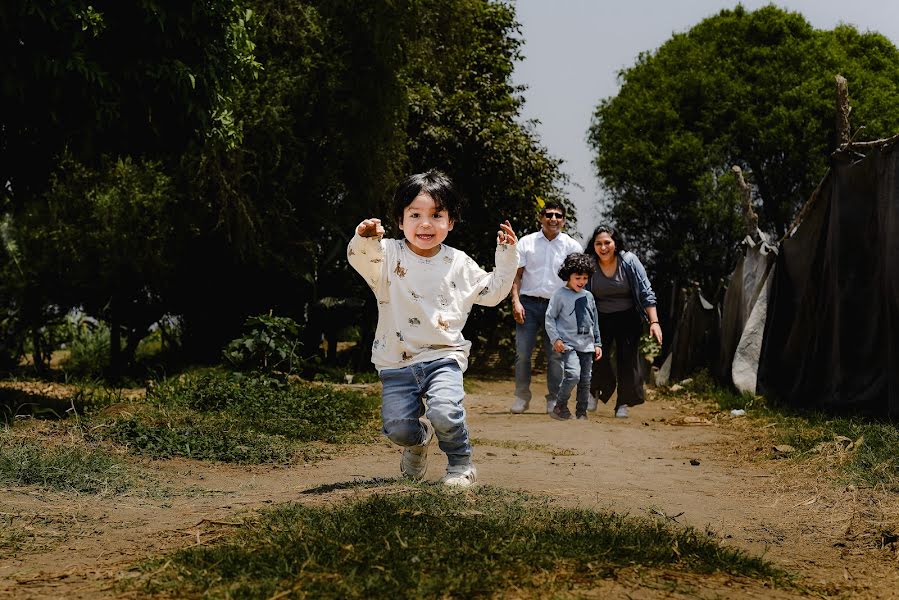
(423, 303)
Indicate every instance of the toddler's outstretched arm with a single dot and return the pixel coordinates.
(365, 252)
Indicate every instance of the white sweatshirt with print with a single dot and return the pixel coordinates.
(423, 303)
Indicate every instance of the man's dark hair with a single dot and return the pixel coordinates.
(576, 263)
(554, 204)
(435, 184)
(620, 245)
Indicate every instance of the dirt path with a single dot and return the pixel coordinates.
(641, 465)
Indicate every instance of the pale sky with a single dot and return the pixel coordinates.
(573, 50)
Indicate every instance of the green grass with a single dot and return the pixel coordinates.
(233, 417)
(864, 450)
(430, 543)
(64, 468)
(212, 415)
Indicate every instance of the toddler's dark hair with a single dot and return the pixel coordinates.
(576, 263)
(435, 184)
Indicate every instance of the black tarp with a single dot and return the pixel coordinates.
(696, 339)
(832, 332)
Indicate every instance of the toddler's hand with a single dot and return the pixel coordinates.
(597, 354)
(559, 346)
(506, 235)
(370, 228)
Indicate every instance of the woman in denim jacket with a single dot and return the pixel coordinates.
(623, 296)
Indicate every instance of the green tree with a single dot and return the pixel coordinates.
(754, 89)
(105, 242)
(111, 78)
(86, 81)
(464, 117)
(320, 145)
(352, 96)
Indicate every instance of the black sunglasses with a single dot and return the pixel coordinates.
(554, 215)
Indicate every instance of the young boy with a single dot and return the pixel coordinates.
(572, 325)
(425, 291)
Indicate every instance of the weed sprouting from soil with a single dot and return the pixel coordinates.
(13, 537)
(427, 542)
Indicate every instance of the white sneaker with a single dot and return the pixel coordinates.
(519, 406)
(550, 405)
(460, 476)
(621, 413)
(591, 403)
(414, 463)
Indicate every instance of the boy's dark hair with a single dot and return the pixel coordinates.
(435, 184)
(576, 263)
(620, 245)
(554, 204)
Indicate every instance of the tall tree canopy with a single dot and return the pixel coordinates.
(152, 168)
(352, 96)
(103, 77)
(754, 89)
(83, 85)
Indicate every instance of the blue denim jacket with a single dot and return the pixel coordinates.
(636, 275)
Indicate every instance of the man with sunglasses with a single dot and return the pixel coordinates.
(540, 255)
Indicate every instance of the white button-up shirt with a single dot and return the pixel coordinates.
(542, 259)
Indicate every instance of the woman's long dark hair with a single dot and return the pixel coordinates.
(613, 233)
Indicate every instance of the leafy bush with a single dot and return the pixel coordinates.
(88, 343)
(649, 347)
(268, 344)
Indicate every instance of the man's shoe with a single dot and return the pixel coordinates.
(414, 463)
(591, 403)
(460, 476)
(621, 413)
(582, 417)
(519, 406)
(560, 412)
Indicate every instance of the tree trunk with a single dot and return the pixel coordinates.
(115, 348)
(36, 354)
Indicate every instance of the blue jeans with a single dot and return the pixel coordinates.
(526, 341)
(576, 370)
(433, 389)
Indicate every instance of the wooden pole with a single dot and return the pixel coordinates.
(843, 110)
(750, 219)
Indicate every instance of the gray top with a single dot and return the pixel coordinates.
(613, 294)
(571, 317)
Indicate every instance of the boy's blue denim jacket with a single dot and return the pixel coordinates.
(636, 275)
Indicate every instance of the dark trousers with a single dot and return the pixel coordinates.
(623, 329)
